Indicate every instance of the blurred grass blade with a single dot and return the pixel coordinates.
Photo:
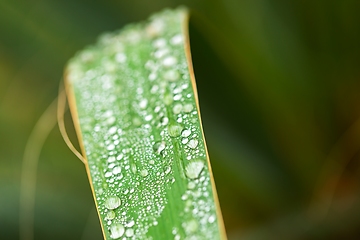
(134, 102)
(33, 148)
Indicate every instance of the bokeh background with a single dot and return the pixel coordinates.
(279, 87)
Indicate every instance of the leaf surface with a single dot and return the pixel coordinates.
(134, 103)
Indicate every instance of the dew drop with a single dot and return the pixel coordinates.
(164, 121)
(177, 108)
(111, 147)
(108, 174)
(148, 117)
(186, 133)
(112, 130)
(188, 107)
(157, 109)
(116, 170)
(177, 90)
(169, 61)
(159, 147)
(143, 103)
(194, 168)
(129, 232)
(159, 43)
(120, 57)
(152, 76)
(191, 226)
(155, 28)
(161, 53)
(112, 202)
(168, 98)
(139, 90)
(133, 168)
(150, 64)
(136, 121)
(144, 172)
(174, 130)
(177, 39)
(211, 219)
(177, 97)
(191, 185)
(167, 170)
(184, 197)
(154, 89)
(171, 75)
(110, 215)
(130, 224)
(97, 128)
(117, 230)
(184, 140)
(100, 191)
(193, 143)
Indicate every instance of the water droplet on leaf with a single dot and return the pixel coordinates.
(116, 170)
(186, 133)
(120, 57)
(191, 185)
(174, 130)
(117, 230)
(129, 232)
(112, 202)
(191, 226)
(193, 143)
(167, 170)
(177, 108)
(177, 39)
(144, 172)
(171, 75)
(188, 107)
(194, 168)
(108, 174)
(168, 98)
(143, 103)
(159, 147)
(169, 61)
(130, 224)
(164, 121)
(148, 117)
(211, 219)
(110, 215)
(159, 43)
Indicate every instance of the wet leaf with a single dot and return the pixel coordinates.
(134, 102)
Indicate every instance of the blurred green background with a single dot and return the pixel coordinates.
(279, 87)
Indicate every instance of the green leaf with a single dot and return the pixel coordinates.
(134, 103)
